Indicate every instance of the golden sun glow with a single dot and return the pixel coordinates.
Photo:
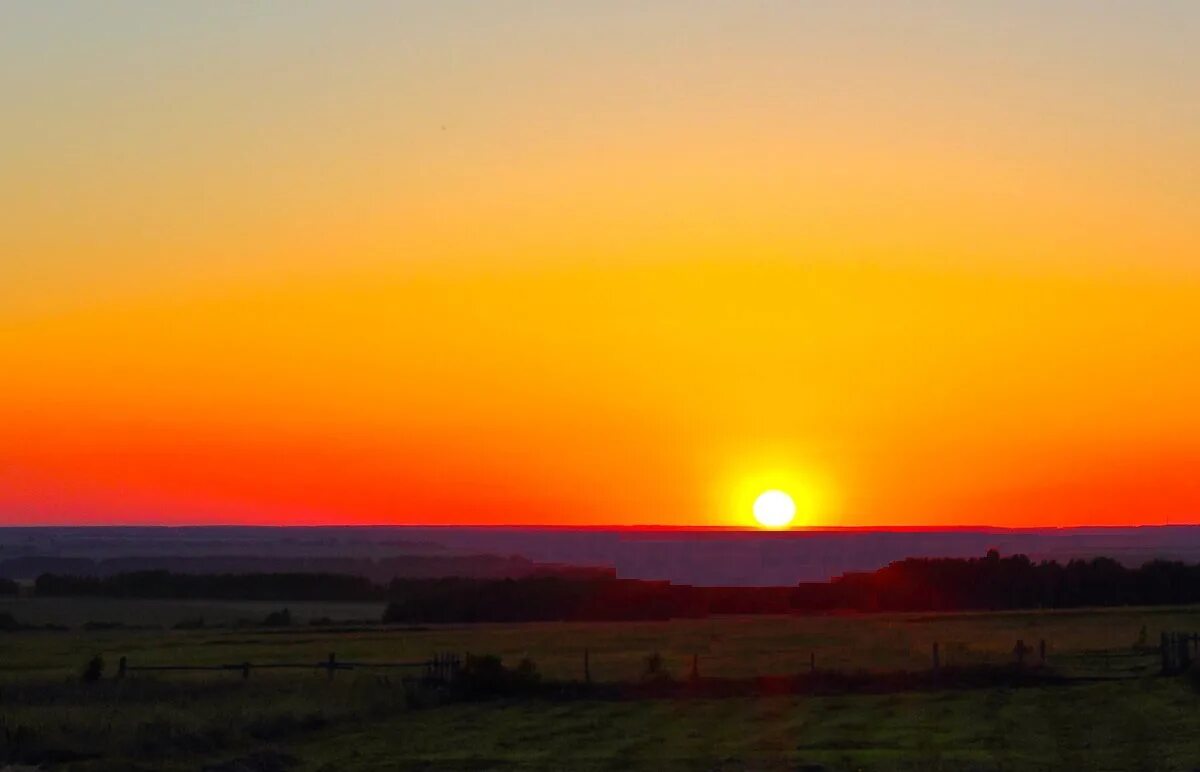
(774, 509)
(774, 488)
(259, 280)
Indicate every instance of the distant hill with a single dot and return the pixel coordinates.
(381, 570)
(917, 584)
(700, 557)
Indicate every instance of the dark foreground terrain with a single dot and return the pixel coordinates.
(1107, 707)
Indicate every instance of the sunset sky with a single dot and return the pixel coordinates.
(916, 263)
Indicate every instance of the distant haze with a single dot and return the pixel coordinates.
(712, 557)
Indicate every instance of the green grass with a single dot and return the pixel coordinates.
(73, 612)
(1149, 725)
(362, 720)
(743, 646)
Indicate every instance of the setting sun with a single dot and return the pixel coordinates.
(774, 509)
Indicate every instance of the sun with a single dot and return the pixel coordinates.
(774, 509)
(773, 491)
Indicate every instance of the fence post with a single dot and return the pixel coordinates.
(331, 665)
(1162, 650)
(936, 659)
(1019, 652)
(812, 662)
(1185, 656)
(121, 665)
(587, 666)
(245, 670)
(1042, 651)
(695, 667)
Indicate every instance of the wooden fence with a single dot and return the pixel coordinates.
(1178, 651)
(442, 667)
(1175, 654)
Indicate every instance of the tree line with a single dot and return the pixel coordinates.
(553, 598)
(440, 600)
(168, 585)
(994, 583)
(915, 584)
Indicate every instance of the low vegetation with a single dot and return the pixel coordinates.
(988, 583)
(52, 715)
(818, 691)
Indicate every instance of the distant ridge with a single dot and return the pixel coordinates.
(696, 556)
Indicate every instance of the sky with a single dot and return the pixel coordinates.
(600, 263)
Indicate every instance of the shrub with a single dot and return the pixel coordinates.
(281, 618)
(484, 676)
(656, 669)
(526, 674)
(93, 670)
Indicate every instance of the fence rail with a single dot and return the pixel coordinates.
(1175, 654)
(441, 667)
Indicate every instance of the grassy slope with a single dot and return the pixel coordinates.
(1146, 725)
(74, 612)
(743, 646)
(359, 720)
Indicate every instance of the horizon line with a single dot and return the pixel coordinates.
(650, 527)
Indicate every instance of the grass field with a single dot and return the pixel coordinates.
(166, 613)
(364, 720)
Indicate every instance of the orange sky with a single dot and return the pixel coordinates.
(600, 264)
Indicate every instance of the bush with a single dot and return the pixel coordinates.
(526, 674)
(281, 618)
(93, 670)
(656, 669)
(485, 676)
(8, 623)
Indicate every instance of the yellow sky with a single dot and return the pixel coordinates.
(600, 262)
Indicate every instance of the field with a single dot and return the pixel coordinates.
(364, 719)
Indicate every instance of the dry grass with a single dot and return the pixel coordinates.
(362, 720)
